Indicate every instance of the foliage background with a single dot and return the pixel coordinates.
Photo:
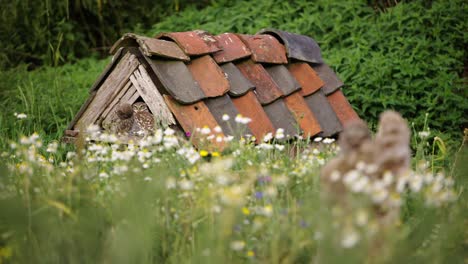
(409, 57)
(55, 32)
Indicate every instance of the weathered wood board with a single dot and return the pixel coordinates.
(109, 89)
(115, 101)
(150, 94)
(130, 97)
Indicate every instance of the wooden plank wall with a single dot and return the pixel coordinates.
(150, 94)
(109, 89)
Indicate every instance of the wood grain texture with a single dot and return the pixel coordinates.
(209, 76)
(115, 59)
(303, 115)
(249, 106)
(151, 96)
(115, 100)
(266, 89)
(130, 97)
(109, 89)
(94, 87)
(306, 76)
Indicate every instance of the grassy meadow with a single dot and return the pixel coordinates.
(162, 201)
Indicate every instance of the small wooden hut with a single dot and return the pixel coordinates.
(192, 79)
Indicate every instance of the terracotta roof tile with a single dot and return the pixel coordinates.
(342, 108)
(328, 76)
(232, 48)
(266, 89)
(324, 113)
(303, 115)
(306, 76)
(249, 106)
(265, 48)
(283, 79)
(238, 83)
(192, 117)
(151, 47)
(209, 76)
(220, 106)
(202, 77)
(197, 42)
(298, 47)
(177, 80)
(281, 117)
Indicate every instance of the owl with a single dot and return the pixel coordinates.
(133, 120)
(143, 120)
(124, 123)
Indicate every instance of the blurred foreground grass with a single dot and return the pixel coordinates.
(164, 202)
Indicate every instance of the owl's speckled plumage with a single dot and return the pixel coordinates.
(126, 119)
(143, 120)
(133, 120)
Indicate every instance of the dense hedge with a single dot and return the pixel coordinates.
(53, 32)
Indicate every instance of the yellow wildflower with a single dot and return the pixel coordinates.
(245, 211)
(204, 153)
(5, 253)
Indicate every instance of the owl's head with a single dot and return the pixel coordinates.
(140, 107)
(124, 111)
